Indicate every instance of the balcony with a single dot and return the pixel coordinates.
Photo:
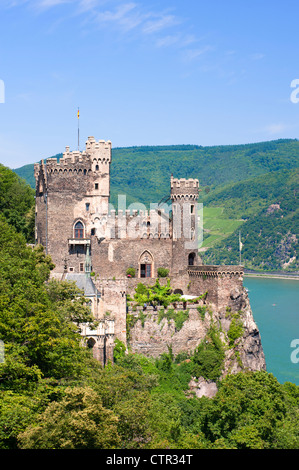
(79, 241)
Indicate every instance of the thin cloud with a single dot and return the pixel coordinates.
(165, 21)
(126, 16)
(193, 54)
(46, 4)
(275, 128)
(257, 56)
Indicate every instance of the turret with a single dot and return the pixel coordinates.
(72, 192)
(184, 195)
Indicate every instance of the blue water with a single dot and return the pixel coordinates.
(275, 308)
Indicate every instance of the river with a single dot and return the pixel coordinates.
(275, 308)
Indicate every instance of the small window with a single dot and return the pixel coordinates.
(87, 206)
(97, 167)
(79, 230)
(81, 267)
(96, 186)
(93, 231)
(71, 270)
(192, 208)
(145, 270)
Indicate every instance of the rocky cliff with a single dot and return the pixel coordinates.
(187, 325)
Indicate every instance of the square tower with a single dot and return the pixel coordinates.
(72, 197)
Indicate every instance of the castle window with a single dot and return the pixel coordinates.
(85, 171)
(81, 267)
(96, 186)
(191, 259)
(93, 231)
(97, 167)
(146, 264)
(192, 208)
(87, 206)
(79, 230)
(145, 270)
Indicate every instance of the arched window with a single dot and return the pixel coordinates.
(79, 230)
(90, 343)
(191, 259)
(146, 264)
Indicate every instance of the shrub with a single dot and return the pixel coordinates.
(235, 330)
(131, 272)
(162, 272)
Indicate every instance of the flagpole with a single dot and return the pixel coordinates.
(78, 131)
(240, 246)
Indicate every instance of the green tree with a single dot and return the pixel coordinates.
(78, 421)
(36, 322)
(246, 410)
(17, 202)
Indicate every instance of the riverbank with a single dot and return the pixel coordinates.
(273, 276)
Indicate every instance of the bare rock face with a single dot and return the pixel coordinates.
(237, 299)
(202, 387)
(247, 352)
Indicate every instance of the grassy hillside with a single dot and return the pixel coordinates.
(239, 183)
(270, 209)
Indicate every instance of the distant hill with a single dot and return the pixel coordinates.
(239, 181)
(269, 206)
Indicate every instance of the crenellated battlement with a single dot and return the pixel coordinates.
(184, 188)
(215, 271)
(95, 157)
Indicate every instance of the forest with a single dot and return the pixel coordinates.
(54, 395)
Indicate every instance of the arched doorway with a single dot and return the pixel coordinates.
(90, 343)
(146, 264)
(191, 259)
(178, 291)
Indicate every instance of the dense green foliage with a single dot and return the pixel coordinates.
(155, 295)
(17, 202)
(54, 395)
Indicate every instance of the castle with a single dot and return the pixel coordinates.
(96, 246)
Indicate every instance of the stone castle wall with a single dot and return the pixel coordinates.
(222, 284)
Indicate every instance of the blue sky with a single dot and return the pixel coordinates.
(145, 73)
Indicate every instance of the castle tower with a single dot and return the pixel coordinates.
(72, 200)
(184, 196)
